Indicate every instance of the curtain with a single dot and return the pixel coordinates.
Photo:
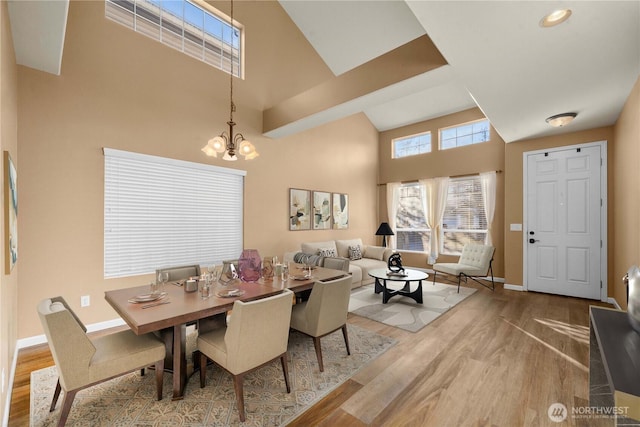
(393, 194)
(434, 201)
(488, 185)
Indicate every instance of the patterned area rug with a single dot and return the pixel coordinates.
(403, 312)
(129, 400)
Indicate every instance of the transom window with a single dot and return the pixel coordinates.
(464, 218)
(466, 134)
(412, 232)
(412, 145)
(185, 26)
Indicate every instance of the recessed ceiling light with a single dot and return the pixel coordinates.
(560, 120)
(555, 18)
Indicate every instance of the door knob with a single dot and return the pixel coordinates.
(533, 240)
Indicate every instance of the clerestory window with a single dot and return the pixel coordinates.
(191, 27)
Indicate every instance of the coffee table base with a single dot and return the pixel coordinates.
(381, 286)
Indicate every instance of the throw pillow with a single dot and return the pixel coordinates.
(355, 252)
(327, 252)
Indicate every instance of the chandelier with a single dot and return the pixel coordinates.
(229, 143)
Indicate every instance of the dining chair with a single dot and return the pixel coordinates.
(83, 362)
(257, 334)
(475, 263)
(180, 272)
(324, 312)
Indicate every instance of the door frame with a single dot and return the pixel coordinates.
(603, 211)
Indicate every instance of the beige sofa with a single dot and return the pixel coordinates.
(372, 257)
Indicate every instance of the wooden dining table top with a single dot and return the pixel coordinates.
(184, 307)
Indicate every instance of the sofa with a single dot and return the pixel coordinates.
(362, 258)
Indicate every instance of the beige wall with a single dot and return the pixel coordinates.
(8, 142)
(473, 159)
(625, 239)
(514, 185)
(122, 90)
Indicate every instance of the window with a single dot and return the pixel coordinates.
(162, 212)
(412, 232)
(464, 218)
(184, 26)
(411, 145)
(467, 134)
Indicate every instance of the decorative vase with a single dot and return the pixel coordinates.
(267, 268)
(633, 297)
(250, 265)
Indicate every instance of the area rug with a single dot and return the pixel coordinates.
(403, 312)
(129, 400)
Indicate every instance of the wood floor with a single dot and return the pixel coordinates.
(497, 359)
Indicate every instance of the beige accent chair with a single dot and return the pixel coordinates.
(83, 362)
(257, 334)
(324, 313)
(474, 263)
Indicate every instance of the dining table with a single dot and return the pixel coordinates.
(177, 308)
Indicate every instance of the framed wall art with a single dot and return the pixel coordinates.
(10, 213)
(340, 207)
(321, 210)
(299, 209)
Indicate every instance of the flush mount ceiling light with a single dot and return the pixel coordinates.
(228, 143)
(555, 18)
(560, 120)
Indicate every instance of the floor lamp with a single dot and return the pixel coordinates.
(384, 230)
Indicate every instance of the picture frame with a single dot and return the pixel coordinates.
(321, 210)
(299, 209)
(11, 213)
(340, 211)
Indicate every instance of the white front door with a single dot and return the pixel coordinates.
(563, 221)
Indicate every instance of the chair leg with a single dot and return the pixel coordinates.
(203, 369)
(434, 277)
(285, 371)
(66, 406)
(459, 278)
(56, 394)
(238, 385)
(316, 344)
(346, 338)
(159, 378)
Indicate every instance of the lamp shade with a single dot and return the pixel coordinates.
(384, 230)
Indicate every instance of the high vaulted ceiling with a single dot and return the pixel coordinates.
(497, 57)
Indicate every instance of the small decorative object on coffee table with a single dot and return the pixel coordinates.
(395, 265)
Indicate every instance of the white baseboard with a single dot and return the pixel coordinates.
(94, 327)
(613, 302)
(12, 375)
(518, 288)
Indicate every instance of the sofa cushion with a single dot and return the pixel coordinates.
(366, 265)
(355, 252)
(356, 276)
(374, 252)
(312, 248)
(343, 246)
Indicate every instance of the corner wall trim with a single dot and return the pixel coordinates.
(518, 288)
(613, 302)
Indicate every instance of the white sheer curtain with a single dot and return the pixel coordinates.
(393, 195)
(434, 200)
(488, 184)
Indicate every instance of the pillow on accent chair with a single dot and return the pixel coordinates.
(355, 252)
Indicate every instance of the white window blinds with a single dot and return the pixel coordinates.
(161, 212)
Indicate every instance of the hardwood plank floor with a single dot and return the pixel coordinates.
(497, 359)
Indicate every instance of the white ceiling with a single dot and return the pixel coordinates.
(499, 58)
(517, 72)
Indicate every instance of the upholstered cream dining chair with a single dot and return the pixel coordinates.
(324, 313)
(257, 334)
(474, 263)
(83, 362)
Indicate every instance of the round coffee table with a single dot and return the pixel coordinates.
(382, 275)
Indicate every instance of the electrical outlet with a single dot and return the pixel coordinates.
(85, 301)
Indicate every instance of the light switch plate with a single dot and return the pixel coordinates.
(515, 227)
